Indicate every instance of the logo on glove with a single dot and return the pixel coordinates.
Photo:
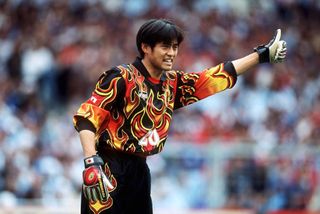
(90, 176)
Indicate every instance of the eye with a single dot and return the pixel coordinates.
(165, 46)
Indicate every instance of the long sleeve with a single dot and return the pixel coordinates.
(192, 87)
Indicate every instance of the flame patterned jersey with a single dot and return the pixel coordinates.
(131, 112)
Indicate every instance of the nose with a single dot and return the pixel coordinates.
(171, 51)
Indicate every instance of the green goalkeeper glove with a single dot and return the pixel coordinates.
(95, 182)
(273, 52)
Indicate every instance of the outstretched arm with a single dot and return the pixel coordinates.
(246, 63)
(273, 52)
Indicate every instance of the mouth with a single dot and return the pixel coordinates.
(168, 62)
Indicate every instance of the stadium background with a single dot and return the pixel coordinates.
(253, 149)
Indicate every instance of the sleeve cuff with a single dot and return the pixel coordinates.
(84, 124)
(229, 67)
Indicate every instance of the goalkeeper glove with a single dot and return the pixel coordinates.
(273, 52)
(95, 182)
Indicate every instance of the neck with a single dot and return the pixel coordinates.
(154, 73)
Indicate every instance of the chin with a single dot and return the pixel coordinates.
(167, 68)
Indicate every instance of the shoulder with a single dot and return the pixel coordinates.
(113, 74)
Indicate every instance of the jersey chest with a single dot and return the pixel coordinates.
(147, 98)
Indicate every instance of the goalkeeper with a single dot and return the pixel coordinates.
(128, 115)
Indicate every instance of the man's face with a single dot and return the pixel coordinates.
(161, 56)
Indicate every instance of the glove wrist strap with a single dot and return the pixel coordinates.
(93, 160)
(263, 52)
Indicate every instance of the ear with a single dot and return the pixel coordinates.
(145, 48)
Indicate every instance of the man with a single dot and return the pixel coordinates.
(128, 115)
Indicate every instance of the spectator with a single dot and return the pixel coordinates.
(42, 47)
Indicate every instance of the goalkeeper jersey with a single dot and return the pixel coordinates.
(131, 111)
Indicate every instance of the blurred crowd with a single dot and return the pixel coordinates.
(53, 51)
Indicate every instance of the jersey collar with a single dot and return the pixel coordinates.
(143, 70)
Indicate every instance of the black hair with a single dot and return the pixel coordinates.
(158, 30)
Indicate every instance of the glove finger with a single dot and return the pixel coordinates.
(281, 54)
(103, 190)
(103, 196)
(106, 181)
(87, 193)
(278, 35)
(84, 191)
(282, 58)
(94, 193)
(284, 44)
(278, 59)
(281, 51)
